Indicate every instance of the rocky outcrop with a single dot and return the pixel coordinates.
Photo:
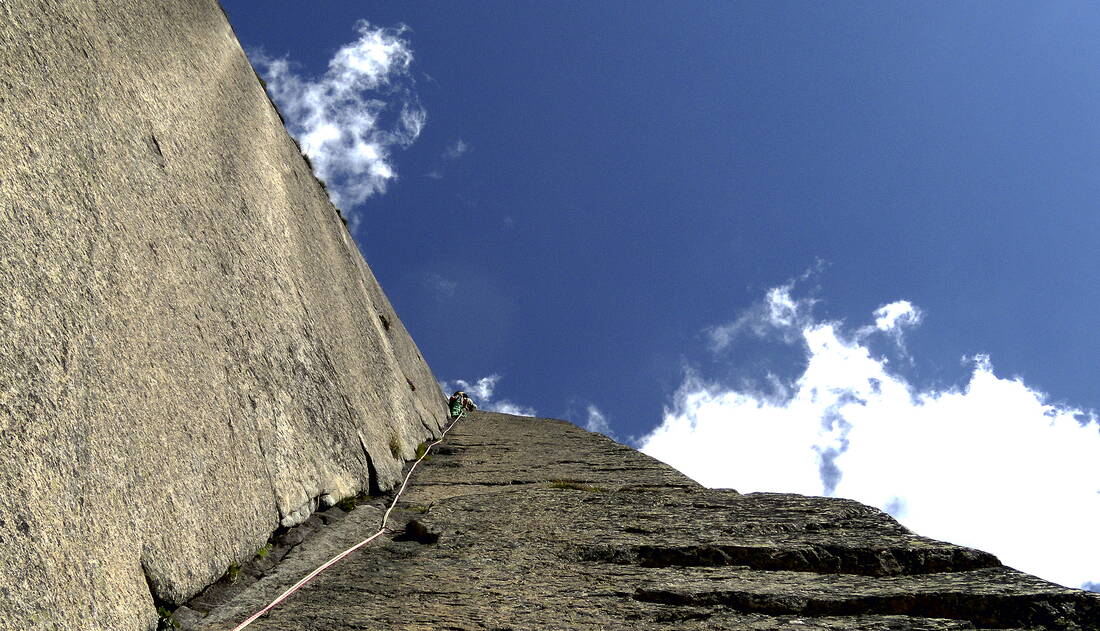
(522, 523)
(193, 352)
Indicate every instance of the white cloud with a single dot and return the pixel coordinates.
(483, 392)
(893, 319)
(778, 315)
(895, 315)
(993, 465)
(597, 422)
(350, 119)
(456, 149)
(510, 407)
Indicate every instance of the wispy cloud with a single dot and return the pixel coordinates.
(597, 422)
(350, 119)
(451, 152)
(777, 316)
(893, 319)
(440, 285)
(896, 315)
(483, 391)
(456, 149)
(992, 464)
(510, 407)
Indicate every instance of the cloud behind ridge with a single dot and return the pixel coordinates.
(483, 391)
(992, 464)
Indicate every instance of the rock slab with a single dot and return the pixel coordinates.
(523, 523)
(193, 352)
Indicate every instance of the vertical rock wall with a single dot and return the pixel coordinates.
(192, 349)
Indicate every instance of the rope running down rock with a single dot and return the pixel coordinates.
(336, 559)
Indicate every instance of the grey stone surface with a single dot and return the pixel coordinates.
(525, 523)
(186, 617)
(192, 349)
(194, 353)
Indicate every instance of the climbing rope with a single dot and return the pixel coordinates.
(336, 559)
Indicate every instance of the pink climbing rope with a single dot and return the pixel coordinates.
(336, 559)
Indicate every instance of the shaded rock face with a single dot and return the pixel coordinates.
(525, 523)
(192, 350)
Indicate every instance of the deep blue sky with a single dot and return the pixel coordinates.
(638, 172)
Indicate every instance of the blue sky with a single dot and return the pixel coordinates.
(707, 226)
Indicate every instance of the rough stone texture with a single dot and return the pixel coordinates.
(192, 349)
(193, 353)
(524, 523)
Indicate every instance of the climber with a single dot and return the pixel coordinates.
(468, 403)
(460, 401)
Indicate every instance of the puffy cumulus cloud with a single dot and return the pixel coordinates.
(993, 464)
(350, 119)
(483, 392)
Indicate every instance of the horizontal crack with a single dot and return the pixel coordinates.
(510, 483)
(987, 611)
(821, 559)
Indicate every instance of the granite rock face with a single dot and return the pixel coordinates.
(192, 350)
(193, 353)
(522, 523)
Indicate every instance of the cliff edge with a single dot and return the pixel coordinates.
(193, 352)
